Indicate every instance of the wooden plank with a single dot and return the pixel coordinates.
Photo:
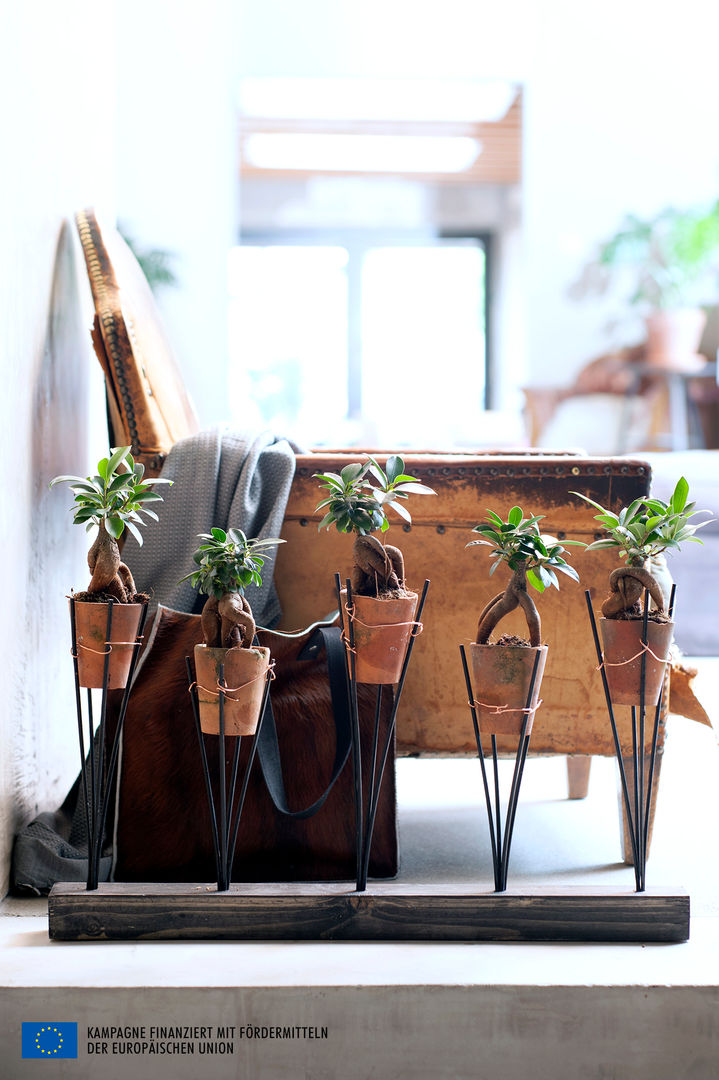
(385, 912)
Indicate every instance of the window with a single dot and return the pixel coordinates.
(360, 339)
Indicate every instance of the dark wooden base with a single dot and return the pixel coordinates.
(387, 911)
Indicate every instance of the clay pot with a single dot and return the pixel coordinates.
(501, 675)
(673, 339)
(382, 629)
(622, 640)
(91, 637)
(245, 672)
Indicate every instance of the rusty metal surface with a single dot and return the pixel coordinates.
(434, 718)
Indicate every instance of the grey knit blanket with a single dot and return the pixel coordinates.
(221, 478)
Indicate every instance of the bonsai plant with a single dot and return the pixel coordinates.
(640, 533)
(113, 500)
(383, 608)
(674, 258)
(227, 562)
(503, 669)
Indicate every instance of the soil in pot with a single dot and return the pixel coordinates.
(382, 629)
(245, 672)
(92, 645)
(622, 648)
(501, 676)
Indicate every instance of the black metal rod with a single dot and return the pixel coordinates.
(480, 755)
(520, 757)
(497, 812)
(222, 883)
(615, 734)
(356, 738)
(655, 733)
(635, 810)
(391, 726)
(369, 817)
(100, 786)
(80, 732)
(246, 777)
(641, 831)
(231, 796)
(397, 697)
(205, 764)
(112, 760)
(92, 788)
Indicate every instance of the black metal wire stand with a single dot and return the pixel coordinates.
(501, 838)
(224, 815)
(366, 813)
(638, 809)
(97, 777)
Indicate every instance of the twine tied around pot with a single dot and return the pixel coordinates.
(505, 708)
(269, 672)
(621, 663)
(108, 650)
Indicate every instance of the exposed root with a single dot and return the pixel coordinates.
(109, 574)
(627, 583)
(377, 569)
(228, 622)
(515, 595)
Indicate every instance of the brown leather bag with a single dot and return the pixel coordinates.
(162, 823)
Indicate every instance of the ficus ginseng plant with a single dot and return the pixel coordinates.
(115, 499)
(227, 562)
(532, 557)
(640, 532)
(358, 500)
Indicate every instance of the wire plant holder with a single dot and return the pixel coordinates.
(366, 812)
(501, 835)
(638, 808)
(224, 815)
(97, 773)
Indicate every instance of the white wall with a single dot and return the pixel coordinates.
(57, 156)
(620, 114)
(177, 184)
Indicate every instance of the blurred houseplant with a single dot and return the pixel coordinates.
(671, 264)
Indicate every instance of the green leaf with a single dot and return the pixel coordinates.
(394, 467)
(114, 526)
(350, 473)
(536, 581)
(402, 511)
(102, 466)
(415, 489)
(515, 515)
(219, 534)
(679, 497)
(116, 458)
(135, 531)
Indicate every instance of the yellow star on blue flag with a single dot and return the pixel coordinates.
(49, 1039)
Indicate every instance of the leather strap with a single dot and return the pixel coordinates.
(268, 749)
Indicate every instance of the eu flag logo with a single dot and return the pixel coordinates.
(49, 1039)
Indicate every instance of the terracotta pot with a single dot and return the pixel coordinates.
(245, 674)
(91, 636)
(622, 641)
(382, 629)
(673, 339)
(501, 675)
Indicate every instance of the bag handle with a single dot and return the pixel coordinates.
(268, 751)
